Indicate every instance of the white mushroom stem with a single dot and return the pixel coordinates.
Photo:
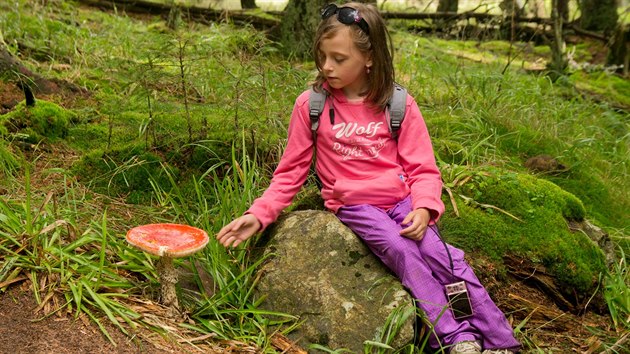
(168, 279)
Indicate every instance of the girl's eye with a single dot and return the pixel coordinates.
(340, 60)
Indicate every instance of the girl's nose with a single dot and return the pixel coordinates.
(327, 65)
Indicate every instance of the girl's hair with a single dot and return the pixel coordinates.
(377, 44)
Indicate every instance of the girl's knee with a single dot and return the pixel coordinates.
(392, 248)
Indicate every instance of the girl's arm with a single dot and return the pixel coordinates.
(292, 170)
(418, 160)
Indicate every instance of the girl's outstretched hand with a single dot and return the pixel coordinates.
(419, 220)
(239, 230)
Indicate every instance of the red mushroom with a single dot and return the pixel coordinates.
(168, 241)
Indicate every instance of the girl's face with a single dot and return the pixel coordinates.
(343, 65)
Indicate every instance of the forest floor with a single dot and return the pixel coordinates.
(24, 328)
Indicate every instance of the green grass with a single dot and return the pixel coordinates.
(9, 163)
(510, 117)
(39, 240)
(617, 293)
(198, 149)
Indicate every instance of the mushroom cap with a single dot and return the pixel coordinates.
(171, 240)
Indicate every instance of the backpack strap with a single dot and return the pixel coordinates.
(396, 109)
(316, 103)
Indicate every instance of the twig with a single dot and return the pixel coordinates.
(197, 339)
(470, 200)
(450, 195)
(617, 344)
(14, 280)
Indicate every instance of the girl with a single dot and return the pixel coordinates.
(386, 190)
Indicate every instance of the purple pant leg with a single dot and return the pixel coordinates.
(424, 268)
(381, 234)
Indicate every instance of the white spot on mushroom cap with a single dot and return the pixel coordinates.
(162, 250)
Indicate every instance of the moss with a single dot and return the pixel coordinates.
(88, 136)
(540, 233)
(596, 195)
(603, 84)
(44, 120)
(450, 151)
(476, 230)
(202, 155)
(527, 141)
(126, 171)
(524, 194)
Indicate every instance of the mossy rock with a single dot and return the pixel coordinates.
(450, 150)
(88, 136)
(43, 120)
(525, 216)
(524, 195)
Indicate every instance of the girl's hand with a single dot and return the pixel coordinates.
(238, 230)
(419, 220)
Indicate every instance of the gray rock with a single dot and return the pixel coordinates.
(598, 236)
(322, 273)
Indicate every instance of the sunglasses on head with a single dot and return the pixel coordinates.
(346, 15)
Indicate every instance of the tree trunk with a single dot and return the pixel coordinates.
(599, 15)
(559, 60)
(248, 4)
(191, 13)
(512, 8)
(448, 6)
(563, 9)
(298, 26)
(619, 50)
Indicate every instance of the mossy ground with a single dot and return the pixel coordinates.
(44, 120)
(507, 213)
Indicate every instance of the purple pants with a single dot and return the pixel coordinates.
(424, 268)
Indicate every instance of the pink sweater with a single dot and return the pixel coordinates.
(358, 161)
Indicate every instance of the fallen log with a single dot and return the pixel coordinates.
(272, 18)
(11, 69)
(193, 13)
